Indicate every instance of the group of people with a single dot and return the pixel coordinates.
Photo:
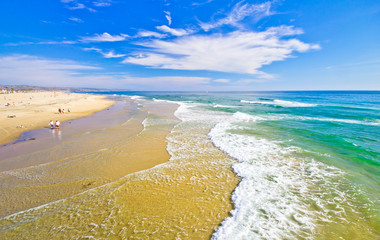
(54, 125)
(62, 110)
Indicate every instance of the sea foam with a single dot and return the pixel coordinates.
(281, 103)
(275, 195)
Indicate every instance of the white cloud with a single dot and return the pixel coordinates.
(74, 19)
(238, 13)
(202, 3)
(221, 80)
(168, 17)
(24, 69)
(92, 49)
(173, 31)
(102, 3)
(105, 37)
(75, 5)
(56, 42)
(37, 71)
(145, 33)
(40, 43)
(236, 52)
(110, 54)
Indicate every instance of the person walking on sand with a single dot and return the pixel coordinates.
(51, 124)
(57, 123)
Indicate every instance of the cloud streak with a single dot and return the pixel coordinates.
(238, 13)
(102, 3)
(168, 17)
(77, 4)
(147, 34)
(74, 19)
(105, 37)
(235, 52)
(24, 69)
(174, 31)
(29, 70)
(110, 54)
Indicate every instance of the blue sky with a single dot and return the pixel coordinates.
(191, 45)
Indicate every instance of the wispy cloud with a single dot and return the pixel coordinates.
(102, 3)
(238, 13)
(221, 80)
(168, 17)
(31, 70)
(373, 63)
(174, 31)
(145, 33)
(236, 52)
(74, 19)
(201, 3)
(75, 5)
(24, 69)
(105, 37)
(110, 54)
(41, 43)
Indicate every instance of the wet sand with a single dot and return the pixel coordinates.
(112, 197)
(20, 112)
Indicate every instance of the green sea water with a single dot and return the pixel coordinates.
(309, 161)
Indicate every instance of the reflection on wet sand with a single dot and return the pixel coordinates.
(56, 133)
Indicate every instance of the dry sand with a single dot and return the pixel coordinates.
(185, 198)
(34, 110)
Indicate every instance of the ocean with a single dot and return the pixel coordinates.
(309, 162)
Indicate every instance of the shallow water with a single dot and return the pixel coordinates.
(185, 198)
(308, 162)
(89, 152)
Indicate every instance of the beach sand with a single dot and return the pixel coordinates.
(121, 184)
(32, 110)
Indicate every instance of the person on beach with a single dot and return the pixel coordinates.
(59, 110)
(51, 124)
(57, 123)
(63, 110)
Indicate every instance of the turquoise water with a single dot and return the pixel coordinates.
(309, 161)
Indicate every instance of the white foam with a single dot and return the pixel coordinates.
(351, 121)
(274, 197)
(275, 117)
(292, 104)
(223, 106)
(247, 118)
(145, 123)
(281, 103)
(136, 97)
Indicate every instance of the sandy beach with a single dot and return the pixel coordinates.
(110, 177)
(20, 112)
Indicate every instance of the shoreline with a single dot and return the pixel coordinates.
(21, 112)
(181, 197)
(86, 153)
